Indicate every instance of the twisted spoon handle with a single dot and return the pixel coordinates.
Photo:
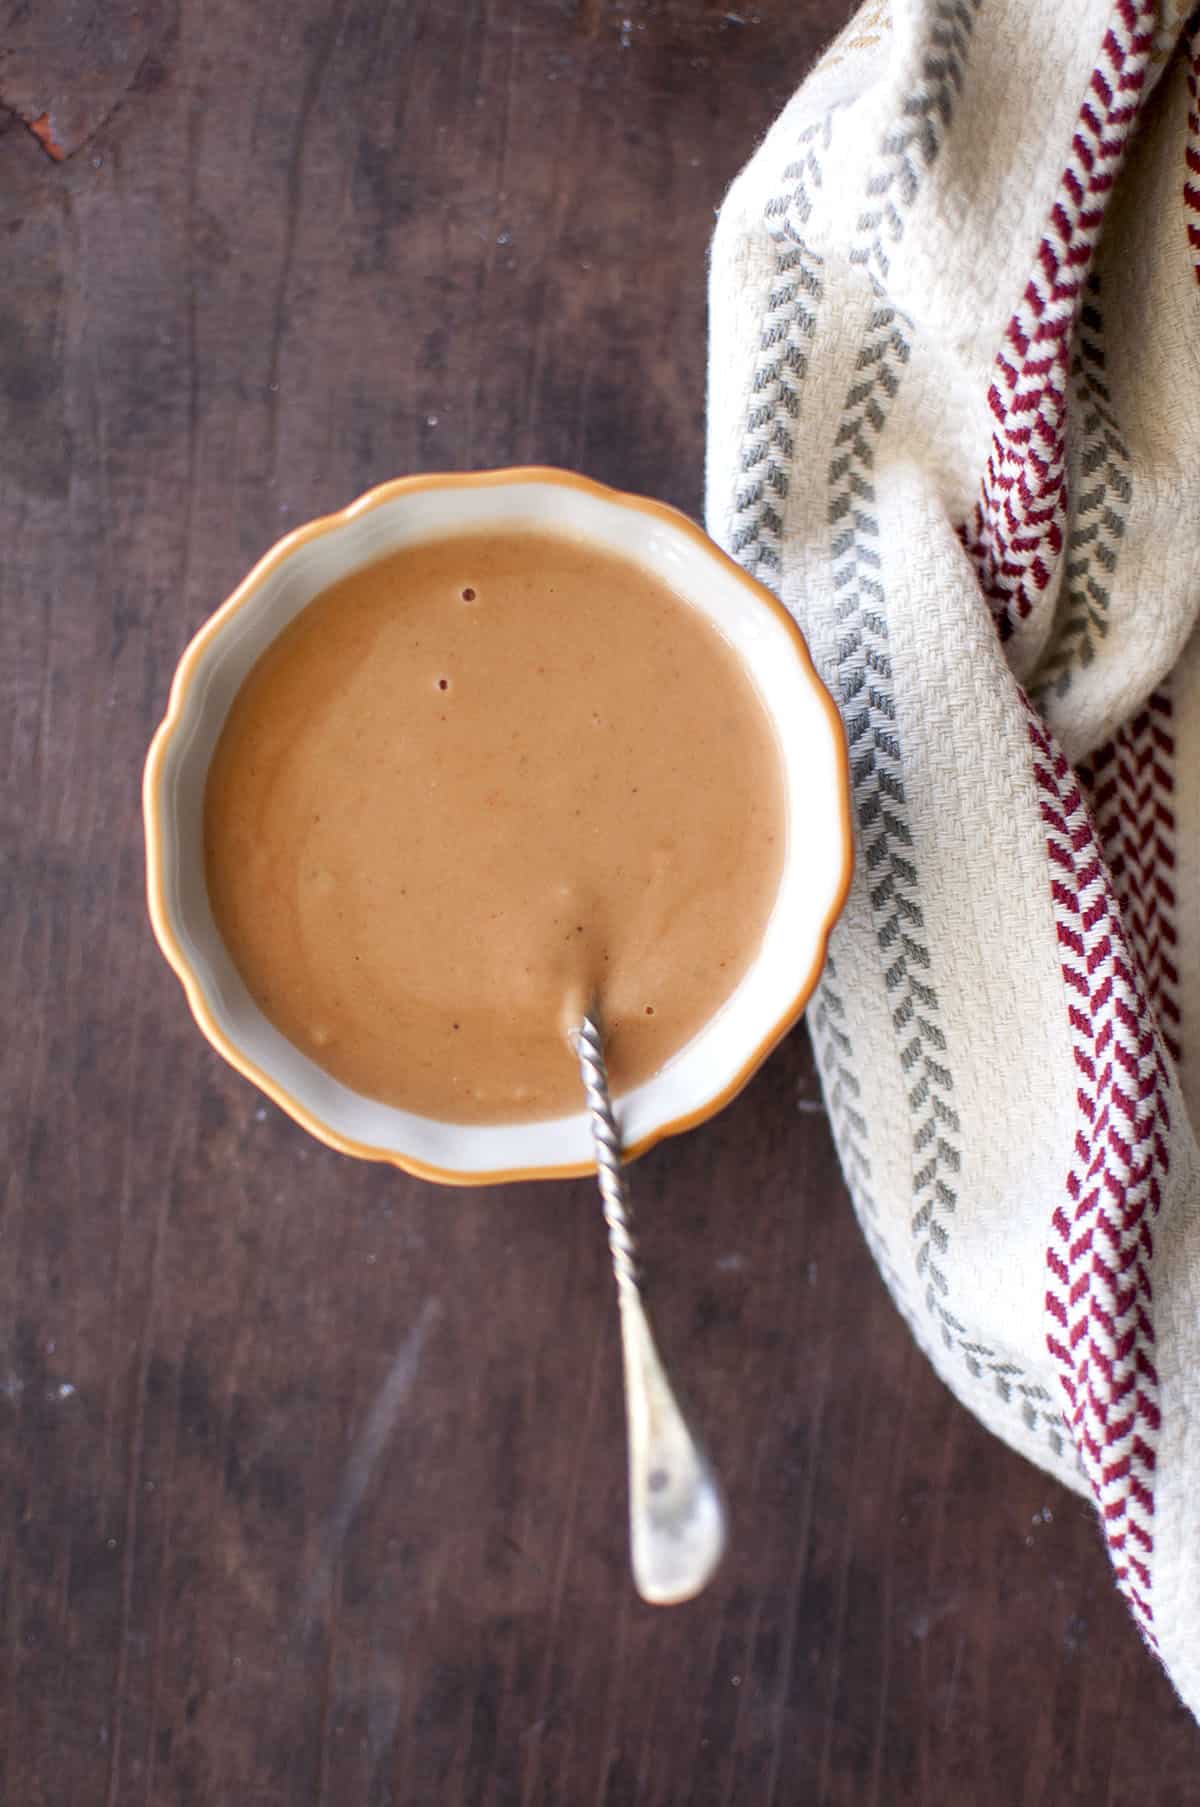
(676, 1514)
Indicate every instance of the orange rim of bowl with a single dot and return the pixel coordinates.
(241, 598)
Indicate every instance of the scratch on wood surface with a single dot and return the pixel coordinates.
(887, 1592)
(841, 1589)
(367, 1448)
(746, 1661)
(124, 1195)
(583, 1446)
(315, 74)
(510, 88)
(955, 1672)
(163, 1594)
(329, 1694)
(794, 1586)
(610, 1744)
(650, 1746)
(191, 168)
(383, 1711)
(560, 212)
(137, 1444)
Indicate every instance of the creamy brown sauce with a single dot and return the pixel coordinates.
(472, 787)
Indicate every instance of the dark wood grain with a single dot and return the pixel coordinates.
(311, 1474)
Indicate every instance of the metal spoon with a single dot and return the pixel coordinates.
(676, 1513)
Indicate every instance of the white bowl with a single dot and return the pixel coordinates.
(706, 1073)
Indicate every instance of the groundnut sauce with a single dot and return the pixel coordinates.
(475, 787)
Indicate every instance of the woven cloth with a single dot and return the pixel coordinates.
(954, 421)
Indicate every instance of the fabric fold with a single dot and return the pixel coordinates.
(954, 421)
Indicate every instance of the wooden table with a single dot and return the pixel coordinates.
(312, 1475)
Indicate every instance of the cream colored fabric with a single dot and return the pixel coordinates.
(954, 420)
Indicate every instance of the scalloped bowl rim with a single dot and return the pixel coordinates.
(702, 1077)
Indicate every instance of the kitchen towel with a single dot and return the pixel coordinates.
(954, 421)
